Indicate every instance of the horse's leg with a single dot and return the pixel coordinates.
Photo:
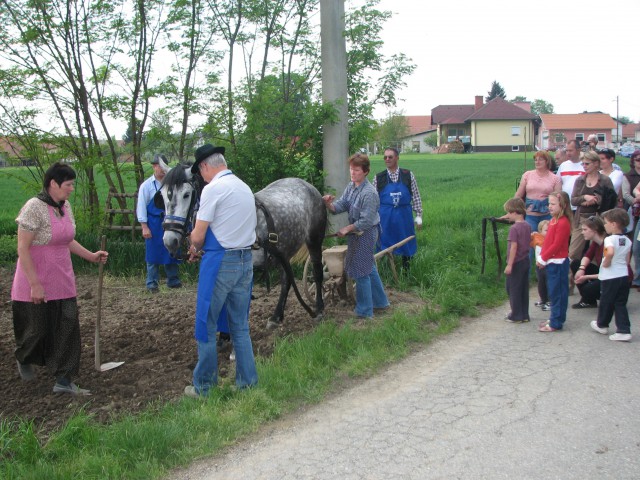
(278, 315)
(315, 251)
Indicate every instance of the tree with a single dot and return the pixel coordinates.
(496, 91)
(190, 39)
(539, 106)
(68, 68)
(431, 140)
(519, 98)
(363, 29)
(392, 130)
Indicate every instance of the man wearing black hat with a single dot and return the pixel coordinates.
(150, 217)
(224, 233)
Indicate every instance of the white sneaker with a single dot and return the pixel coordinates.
(72, 388)
(620, 337)
(232, 357)
(594, 325)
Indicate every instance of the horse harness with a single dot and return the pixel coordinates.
(270, 246)
(176, 223)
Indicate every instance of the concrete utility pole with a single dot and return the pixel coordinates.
(335, 142)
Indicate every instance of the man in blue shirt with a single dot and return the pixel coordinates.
(150, 217)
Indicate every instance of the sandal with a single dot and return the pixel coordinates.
(547, 328)
(542, 324)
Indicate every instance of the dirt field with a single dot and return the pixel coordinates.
(152, 334)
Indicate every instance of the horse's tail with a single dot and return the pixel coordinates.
(301, 255)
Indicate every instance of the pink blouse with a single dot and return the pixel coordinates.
(539, 187)
(52, 261)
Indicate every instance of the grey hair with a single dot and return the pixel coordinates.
(216, 160)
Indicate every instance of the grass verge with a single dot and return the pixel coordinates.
(458, 192)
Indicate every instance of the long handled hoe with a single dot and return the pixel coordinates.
(109, 365)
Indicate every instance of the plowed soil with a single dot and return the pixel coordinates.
(152, 334)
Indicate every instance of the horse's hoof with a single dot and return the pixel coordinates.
(271, 325)
(318, 318)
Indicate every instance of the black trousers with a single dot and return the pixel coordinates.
(518, 290)
(613, 299)
(589, 290)
(48, 334)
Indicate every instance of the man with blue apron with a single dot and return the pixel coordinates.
(223, 235)
(150, 217)
(399, 194)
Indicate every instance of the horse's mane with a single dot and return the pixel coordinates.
(177, 175)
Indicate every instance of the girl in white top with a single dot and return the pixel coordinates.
(614, 277)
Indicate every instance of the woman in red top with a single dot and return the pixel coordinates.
(555, 252)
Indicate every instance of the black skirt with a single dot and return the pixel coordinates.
(48, 334)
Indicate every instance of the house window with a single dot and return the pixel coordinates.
(515, 148)
(415, 147)
(580, 137)
(515, 131)
(559, 137)
(602, 137)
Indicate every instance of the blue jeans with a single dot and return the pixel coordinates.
(153, 275)
(233, 288)
(370, 294)
(636, 255)
(558, 285)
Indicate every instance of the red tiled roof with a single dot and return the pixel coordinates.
(501, 109)
(11, 147)
(419, 124)
(629, 130)
(572, 121)
(445, 112)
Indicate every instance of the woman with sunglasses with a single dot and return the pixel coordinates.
(592, 193)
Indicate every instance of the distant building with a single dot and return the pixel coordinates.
(419, 128)
(631, 132)
(557, 129)
(497, 126)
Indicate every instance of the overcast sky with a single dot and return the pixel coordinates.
(576, 54)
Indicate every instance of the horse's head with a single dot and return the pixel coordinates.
(178, 197)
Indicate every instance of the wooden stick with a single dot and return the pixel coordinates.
(103, 245)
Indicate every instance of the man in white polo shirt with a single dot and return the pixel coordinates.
(570, 170)
(224, 232)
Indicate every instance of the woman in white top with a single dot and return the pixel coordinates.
(607, 157)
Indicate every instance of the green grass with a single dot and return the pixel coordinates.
(458, 191)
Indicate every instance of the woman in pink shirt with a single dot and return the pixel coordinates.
(535, 187)
(45, 311)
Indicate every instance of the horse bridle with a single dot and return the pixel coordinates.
(176, 223)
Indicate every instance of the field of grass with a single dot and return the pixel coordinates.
(458, 191)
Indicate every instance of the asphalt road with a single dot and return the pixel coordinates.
(490, 401)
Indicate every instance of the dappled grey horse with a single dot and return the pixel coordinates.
(290, 214)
